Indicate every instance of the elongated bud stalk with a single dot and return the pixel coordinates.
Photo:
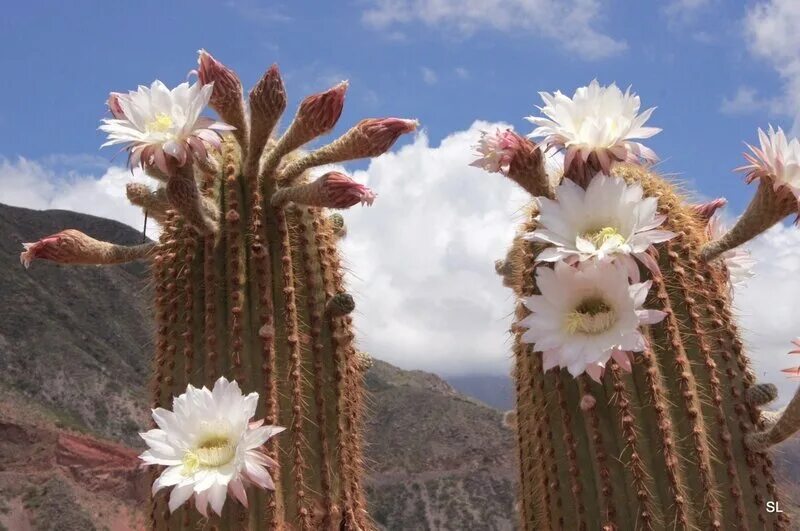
(184, 196)
(369, 138)
(154, 202)
(332, 190)
(227, 98)
(316, 116)
(783, 426)
(76, 248)
(768, 207)
(267, 103)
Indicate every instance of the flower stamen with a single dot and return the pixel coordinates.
(213, 452)
(600, 236)
(592, 316)
(161, 124)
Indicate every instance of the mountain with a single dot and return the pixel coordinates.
(494, 390)
(75, 346)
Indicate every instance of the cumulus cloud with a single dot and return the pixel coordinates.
(37, 185)
(571, 23)
(421, 259)
(769, 304)
(772, 36)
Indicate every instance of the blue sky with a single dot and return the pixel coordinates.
(63, 58)
(421, 260)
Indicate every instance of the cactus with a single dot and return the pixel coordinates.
(251, 287)
(669, 437)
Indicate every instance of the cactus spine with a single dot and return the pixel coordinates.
(662, 447)
(253, 289)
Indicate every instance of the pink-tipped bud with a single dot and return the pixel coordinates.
(227, 86)
(500, 150)
(66, 247)
(318, 113)
(268, 97)
(705, 211)
(115, 107)
(382, 133)
(340, 191)
(587, 402)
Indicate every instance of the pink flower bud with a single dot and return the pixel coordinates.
(382, 133)
(227, 86)
(319, 112)
(498, 150)
(65, 247)
(340, 191)
(115, 107)
(268, 97)
(706, 210)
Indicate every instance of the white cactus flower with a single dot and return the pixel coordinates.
(585, 316)
(599, 121)
(210, 447)
(738, 261)
(155, 122)
(777, 159)
(608, 220)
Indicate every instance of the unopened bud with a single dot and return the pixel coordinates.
(380, 134)
(318, 113)
(227, 86)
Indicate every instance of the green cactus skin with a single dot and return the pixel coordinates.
(664, 446)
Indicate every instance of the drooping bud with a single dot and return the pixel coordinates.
(340, 304)
(114, 106)
(368, 138)
(267, 103)
(71, 246)
(705, 211)
(332, 190)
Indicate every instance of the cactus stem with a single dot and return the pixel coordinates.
(569, 439)
(787, 425)
(767, 208)
(600, 460)
(184, 196)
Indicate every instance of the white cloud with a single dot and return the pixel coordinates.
(772, 36)
(422, 258)
(684, 10)
(571, 23)
(745, 101)
(31, 184)
(461, 72)
(429, 76)
(769, 304)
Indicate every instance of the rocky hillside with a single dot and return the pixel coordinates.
(75, 345)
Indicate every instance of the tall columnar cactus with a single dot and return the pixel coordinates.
(632, 412)
(248, 284)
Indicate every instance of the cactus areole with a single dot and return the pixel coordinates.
(626, 425)
(251, 288)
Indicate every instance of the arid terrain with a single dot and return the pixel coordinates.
(75, 345)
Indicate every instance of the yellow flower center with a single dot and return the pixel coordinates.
(600, 236)
(213, 452)
(161, 124)
(592, 316)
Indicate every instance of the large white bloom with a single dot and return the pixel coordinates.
(777, 159)
(586, 315)
(155, 122)
(738, 261)
(209, 446)
(599, 120)
(609, 219)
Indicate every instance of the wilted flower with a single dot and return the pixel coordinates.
(597, 122)
(210, 447)
(155, 123)
(609, 219)
(587, 315)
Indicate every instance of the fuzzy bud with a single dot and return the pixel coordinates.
(510, 419)
(332, 190)
(337, 222)
(268, 97)
(227, 86)
(318, 113)
(761, 394)
(340, 304)
(71, 246)
(705, 211)
(380, 134)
